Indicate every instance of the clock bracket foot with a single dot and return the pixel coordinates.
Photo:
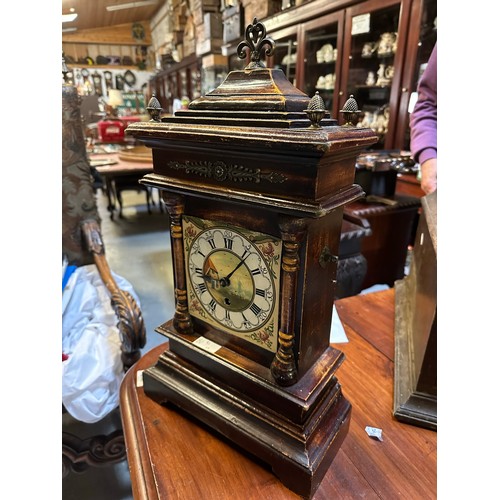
(298, 453)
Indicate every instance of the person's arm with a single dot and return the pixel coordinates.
(423, 126)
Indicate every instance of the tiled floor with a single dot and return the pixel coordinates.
(138, 249)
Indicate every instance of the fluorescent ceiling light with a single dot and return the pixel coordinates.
(131, 5)
(68, 18)
(65, 30)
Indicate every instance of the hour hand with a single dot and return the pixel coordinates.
(226, 280)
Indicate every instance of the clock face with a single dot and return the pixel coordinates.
(233, 279)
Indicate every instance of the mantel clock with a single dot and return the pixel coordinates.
(255, 175)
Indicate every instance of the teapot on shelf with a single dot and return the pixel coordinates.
(387, 44)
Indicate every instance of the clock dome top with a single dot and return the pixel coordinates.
(254, 96)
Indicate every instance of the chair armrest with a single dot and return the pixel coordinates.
(130, 321)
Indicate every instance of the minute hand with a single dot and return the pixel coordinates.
(225, 281)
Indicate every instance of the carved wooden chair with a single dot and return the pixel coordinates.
(82, 244)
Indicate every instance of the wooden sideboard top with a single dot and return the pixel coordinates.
(171, 455)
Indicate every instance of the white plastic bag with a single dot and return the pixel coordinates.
(93, 370)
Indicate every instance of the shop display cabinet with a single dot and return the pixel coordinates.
(178, 80)
(374, 50)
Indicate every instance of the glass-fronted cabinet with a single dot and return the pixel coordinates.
(419, 48)
(322, 46)
(373, 64)
(374, 50)
(286, 54)
(176, 82)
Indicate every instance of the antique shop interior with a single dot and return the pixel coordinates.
(275, 135)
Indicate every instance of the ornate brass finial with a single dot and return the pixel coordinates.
(154, 109)
(350, 112)
(255, 39)
(316, 110)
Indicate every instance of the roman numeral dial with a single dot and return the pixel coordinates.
(234, 277)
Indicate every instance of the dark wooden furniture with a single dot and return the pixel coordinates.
(177, 80)
(255, 188)
(415, 376)
(120, 175)
(171, 455)
(392, 222)
(302, 32)
(352, 265)
(82, 244)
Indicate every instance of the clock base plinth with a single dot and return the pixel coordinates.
(299, 453)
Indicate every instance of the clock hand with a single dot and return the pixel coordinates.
(225, 281)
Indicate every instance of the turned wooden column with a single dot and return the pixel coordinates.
(284, 366)
(175, 206)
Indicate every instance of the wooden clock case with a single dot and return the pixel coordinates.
(247, 155)
(415, 328)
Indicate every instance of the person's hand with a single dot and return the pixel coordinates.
(428, 173)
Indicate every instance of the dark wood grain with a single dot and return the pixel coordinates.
(370, 320)
(409, 185)
(393, 229)
(172, 455)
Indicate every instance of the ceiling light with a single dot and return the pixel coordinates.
(65, 30)
(68, 18)
(131, 5)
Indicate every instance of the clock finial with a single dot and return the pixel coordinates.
(255, 40)
(350, 112)
(316, 110)
(154, 109)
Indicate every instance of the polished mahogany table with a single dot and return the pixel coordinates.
(171, 455)
(119, 175)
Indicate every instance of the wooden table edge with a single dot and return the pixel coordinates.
(133, 426)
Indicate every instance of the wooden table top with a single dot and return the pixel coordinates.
(171, 455)
(119, 166)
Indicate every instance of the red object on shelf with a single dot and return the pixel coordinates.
(111, 130)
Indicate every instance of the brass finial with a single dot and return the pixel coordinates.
(255, 39)
(316, 110)
(350, 112)
(154, 109)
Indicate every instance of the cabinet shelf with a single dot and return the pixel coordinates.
(323, 64)
(379, 56)
(320, 38)
(103, 66)
(378, 87)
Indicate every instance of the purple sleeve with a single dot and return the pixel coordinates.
(423, 120)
